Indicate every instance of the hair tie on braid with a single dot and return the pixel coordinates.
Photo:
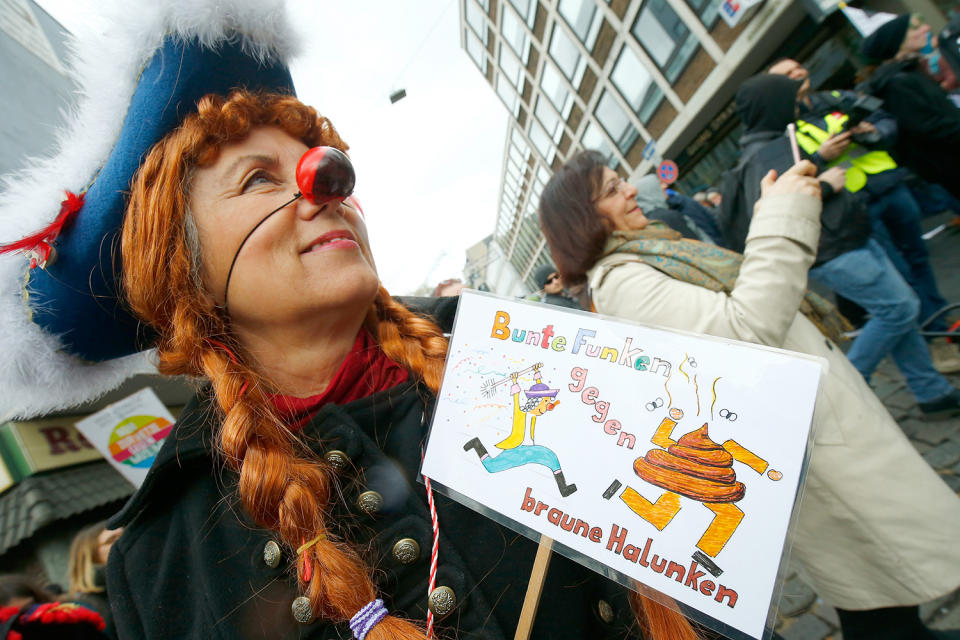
(367, 618)
(307, 545)
(307, 565)
(233, 359)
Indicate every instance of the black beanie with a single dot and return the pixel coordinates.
(767, 102)
(541, 274)
(884, 43)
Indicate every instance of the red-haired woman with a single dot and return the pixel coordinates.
(876, 528)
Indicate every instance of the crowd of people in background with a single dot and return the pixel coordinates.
(831, 198)
(886, 156)
(31, 610)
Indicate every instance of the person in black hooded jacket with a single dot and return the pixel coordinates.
(929, 122)
(766, 104)
(848, 260)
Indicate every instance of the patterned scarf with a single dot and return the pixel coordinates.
(712, 267)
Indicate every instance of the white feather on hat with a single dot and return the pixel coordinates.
(37, 375)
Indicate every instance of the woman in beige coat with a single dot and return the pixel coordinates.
(877, 527)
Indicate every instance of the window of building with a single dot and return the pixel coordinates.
(527, 10)
(475, 50)
(518, 158)
(511, 68)
(567, 56)
(708, 10)
(535, 192)
(516, 35)
(515, 173)
(516, 139)
(556, 90)
(542, 141)
(549, 119)
(508, 94)
(543, 175)
(475, 18)
(615, 121)
(665, 37)
(583, 18)
(510, 190)
(635, 84)
(514, 169)
(593, 139)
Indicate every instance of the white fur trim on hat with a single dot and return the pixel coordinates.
(37, 376)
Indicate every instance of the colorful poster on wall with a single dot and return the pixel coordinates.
(670, 458)
(129, 433)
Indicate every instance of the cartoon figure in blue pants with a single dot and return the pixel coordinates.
(519, 447)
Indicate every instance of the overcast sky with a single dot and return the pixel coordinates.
(428, 167)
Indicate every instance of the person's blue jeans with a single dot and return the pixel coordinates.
(896, 226)
(933, 198)
(867, 277)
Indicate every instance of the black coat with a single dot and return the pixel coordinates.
(698, 214)
(561, 301)
(190, 563)
(845, 222)
(929, 123)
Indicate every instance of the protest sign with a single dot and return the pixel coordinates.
(129, 433)
(670, 458)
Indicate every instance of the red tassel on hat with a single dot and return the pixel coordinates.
(39, 246)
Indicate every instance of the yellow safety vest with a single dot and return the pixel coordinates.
(858, 161)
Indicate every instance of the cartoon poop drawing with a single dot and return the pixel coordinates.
(698, 468)
(695, 467)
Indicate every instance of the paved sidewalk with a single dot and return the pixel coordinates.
(803, 616)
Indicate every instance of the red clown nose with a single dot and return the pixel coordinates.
(325, 174)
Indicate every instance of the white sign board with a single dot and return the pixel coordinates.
(671, 458)
(129, 433)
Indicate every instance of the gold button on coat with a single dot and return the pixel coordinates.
(370, 502)
(337, 459)
(271, 554)
(442, 600)
(605, 611)
(406, 551)
(302, 611)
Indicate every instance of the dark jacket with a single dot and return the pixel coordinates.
(845, 222)
(561, 301)
(697, 213)
(190, 563)
(929, 123)
(674, 220)
(766, 104)
(98, 602)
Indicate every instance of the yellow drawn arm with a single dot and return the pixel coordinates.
(519, 424)
(662, 436)
(745, 456)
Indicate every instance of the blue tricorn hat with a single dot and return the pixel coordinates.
(71, 314)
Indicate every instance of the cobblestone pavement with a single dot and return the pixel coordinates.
(803, 616)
